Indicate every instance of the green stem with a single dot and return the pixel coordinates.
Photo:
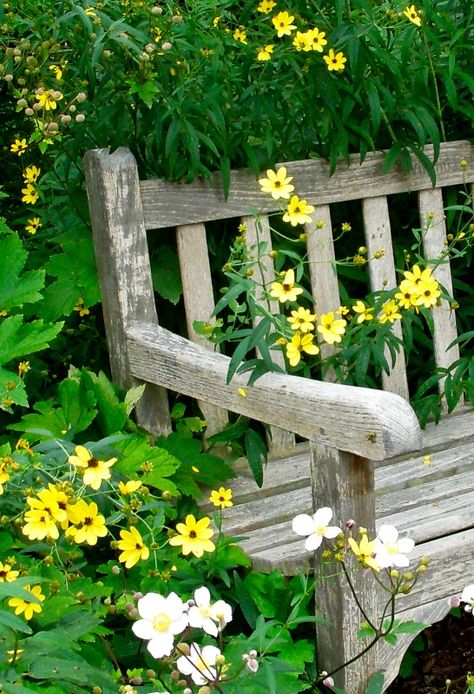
(435, 84)
(352, 589)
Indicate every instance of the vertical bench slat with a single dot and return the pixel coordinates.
(432, 220)
(259, 232)
(198, 300)
(382, 276)
(322, 269)
(123, 262)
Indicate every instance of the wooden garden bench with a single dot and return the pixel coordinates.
(364, 451)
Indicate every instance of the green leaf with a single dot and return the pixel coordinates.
(256, 452)
(16, 288)
(111, 413)
(166, 274)
(18, 339)
(146, 91)
(409, 627)
(132, 397)
(376, 683)
(246, 602)
(7, 619)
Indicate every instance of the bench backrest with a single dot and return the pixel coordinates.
(124, 208)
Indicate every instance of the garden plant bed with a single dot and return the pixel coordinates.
(448, 654)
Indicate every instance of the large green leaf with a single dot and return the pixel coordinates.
(16, 288)
(18, 339)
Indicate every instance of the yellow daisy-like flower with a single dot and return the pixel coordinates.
(221, 498)
(31, 174)
(277, 183)
(26, 607)
(302, 41)
(282, 23)
(300, 343)
(365, 551)
(7, 574)
(411, 13)
(302, 319)
(58, 70)
(93, 471)
(33, 225)
(19, 147)
(266, 6)
(335, 61)
(48, 99)
(240, 35)
(194, 536)
(80, 308)
(429, 293)
(298, 211)
(126, 488)
(316, 39)
(265, 53)
(364, 313)
(88, 523)
(390, 312)
(419, 288)
(30, 194)
(286, 290)
(90, 12)
(332, 328)
(133, 548)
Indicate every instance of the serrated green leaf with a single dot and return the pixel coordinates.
(146, 91)
(111, 412)
(16, 288)
(18, 339)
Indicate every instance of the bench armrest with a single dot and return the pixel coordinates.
(371, 423)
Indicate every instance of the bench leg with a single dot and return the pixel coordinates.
(345, 483)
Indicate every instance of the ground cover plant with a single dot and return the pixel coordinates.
(99, 523)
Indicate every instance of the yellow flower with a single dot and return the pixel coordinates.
(365, 313)
(331, 329)
(302, 319)
(346, 226)
(7, 574)
(216, 21)
(265, 53)
(277, 183)
(194, 536)
(88, 524)
(389, 313)
(335, 61)
(93, 471)
(23, 445)
(298, 211)
(266, 6)
(365, 551)
(240, 35)
(282, 23)
(221, 498)
(429, 293)
(419, 288)
(25, 606)
(302, 41)
(90, 12)
(30, 194)
(80, 308)
(411, 13)
(19, 147)
(316, 39)
(300, 343)
(44, 513)
(33, 225)
(132, 546)
(286, 290)
(31, 174)
(48, 99)
(126, 488)
(58, 69)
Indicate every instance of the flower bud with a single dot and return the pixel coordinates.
(156, 10)
(166, 46)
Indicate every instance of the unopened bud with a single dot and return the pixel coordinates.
(166, 46)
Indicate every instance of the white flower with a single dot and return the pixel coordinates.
(390, 550)
(162, 619)
(203, 615)
(467, 596)
(316, 527)
(251, 662)
(201, 665)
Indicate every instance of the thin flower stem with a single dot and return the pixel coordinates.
(357, 601)
(435, 84)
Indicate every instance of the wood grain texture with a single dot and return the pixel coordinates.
(169, 204)
(123, 263)
(378, 237)
(376, 424)
(198, 299)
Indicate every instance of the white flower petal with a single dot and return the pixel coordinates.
(331, 532)
(202, 596)
(174, 606)
(143, 628)
(400, 560)
(303, 524)
(179, 625)
(150, 604)
(209, 626)
(161, 645)
(322, 516)
(406, 545)
(312, 542)
(388, 534)
(468, 593)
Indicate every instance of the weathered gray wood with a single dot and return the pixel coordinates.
(434, 239)
(198, 301)
(259, 245)
(376, 424)
(378, 238)
(322, 270)
(345, 483)
(204, 200)
(124, 268)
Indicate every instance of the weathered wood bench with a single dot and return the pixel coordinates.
(365, 452)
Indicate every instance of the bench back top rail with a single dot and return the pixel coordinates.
(126, 208)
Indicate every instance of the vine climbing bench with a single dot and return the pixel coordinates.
(364, 451)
